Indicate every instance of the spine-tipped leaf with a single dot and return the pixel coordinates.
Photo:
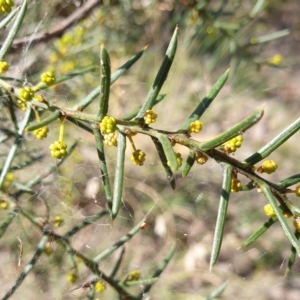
(274, 144)
(234, 131)
(253, 237)
(205, 103)
(164, 162)
(119, 176)
(169, 152)
(189, 163)
(161, 76)
(287, 230)
(222, 213)
(14, 30)
(104, 82)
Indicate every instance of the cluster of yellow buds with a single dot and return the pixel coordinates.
(100, 286)
(6, 6)
(235, 185)
(110, 139)
(58, 221)
(150, 117)
(138, 157)
(58, 149)
(200, 158)
(41, 132)
(26, 93)
(48, 250)
(3, 204)
(108, 125)
(297, 191)
(195, 127)
(231, 145)
(21, 104)
(8, 180)
(133, 276)
(72, 277)
(275, 60)
(269, 211)
(268, 166)
(4, 66)
(48, 78)
(179, 160)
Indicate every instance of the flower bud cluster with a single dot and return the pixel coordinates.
(41, 133)
(48, 78)
(195, 127)
(179, 160)
(58, 221)
(108, 125)
(269, 166)
(231, 145)
(8, 180)
(201, 158)
(150, 117)
(100, 286)
(133, 276)
(58, 149)
(4, 66)
(235, 185)
(6, 6)
(110, 139)
(26, 93)
(138, 157)
(269, 211)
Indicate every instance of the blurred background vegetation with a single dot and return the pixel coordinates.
(259, 41)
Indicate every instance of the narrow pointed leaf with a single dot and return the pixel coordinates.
(138, 282)
(13, 150)
(258, 7)
(7, 221)
(161, 76)
(118, 73)
(266, 150)
(8, 18)
(217, 292)
(164, 162)
(159, 270)
(49, 119)
(189, 163)
(287, 230)
(13, 31)
(289, 181)
(204, 104)
(272, 36)
(119, 176)
(108, 251)
(253, 237)
(222, 213)
(292, 258)
(168, 150)
(118, 264)
(86, 222)
(233, 132)
(104, 82)
(103, 167)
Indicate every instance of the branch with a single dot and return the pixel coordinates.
(58, 30)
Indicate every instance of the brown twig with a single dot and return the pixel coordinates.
(58, 30)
